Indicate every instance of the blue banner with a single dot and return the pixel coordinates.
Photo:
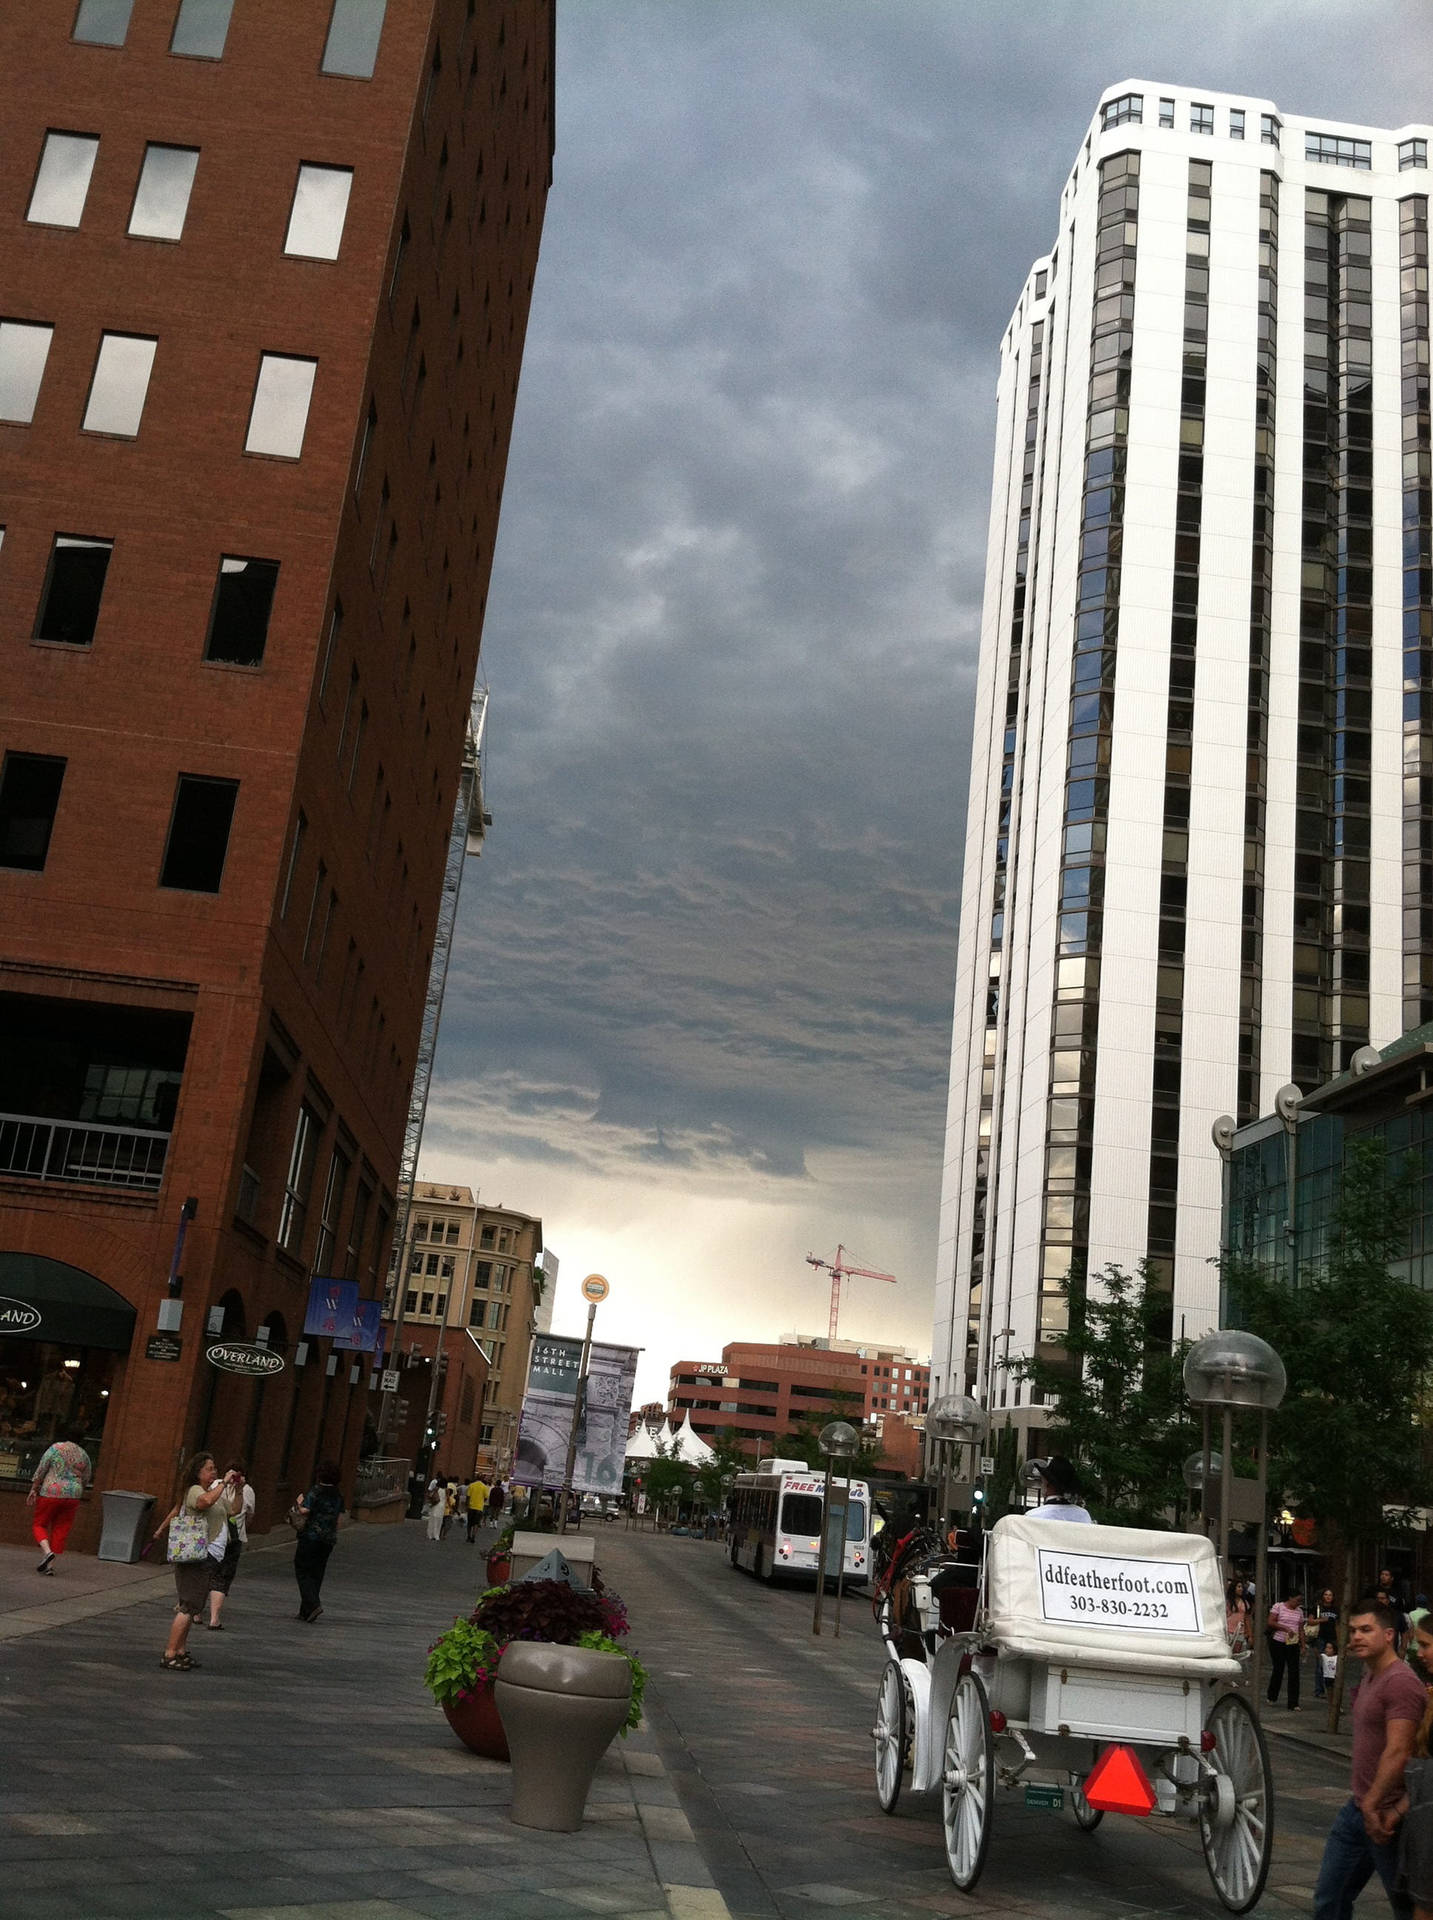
(332, 1305)
(361, 1333)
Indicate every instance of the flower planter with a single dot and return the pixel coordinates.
(477, 1724)
(561, 1708)
(499, 1568)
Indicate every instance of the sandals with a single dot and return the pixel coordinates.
(215, 1626)
(177, 1662)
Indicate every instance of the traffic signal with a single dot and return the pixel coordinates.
(442, 1420)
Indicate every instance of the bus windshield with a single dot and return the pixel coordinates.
(801, 1513)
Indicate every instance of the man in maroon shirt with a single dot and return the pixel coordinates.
(1386, 1711)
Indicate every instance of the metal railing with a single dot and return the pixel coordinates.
(380, 1481)
(37, 1149)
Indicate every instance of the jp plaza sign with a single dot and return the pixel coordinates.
(244, 1356)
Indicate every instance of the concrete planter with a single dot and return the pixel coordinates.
(561, 1708)
(476, 1723)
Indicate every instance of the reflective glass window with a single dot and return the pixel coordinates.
(121, 381)
(202, 28)
(24, 349)
(161, 199)
(281, 403)
(63, 179)
(103, 23)
(320, 204)
(353, 35)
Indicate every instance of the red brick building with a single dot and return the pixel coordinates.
(759, 1392)
(267, 276)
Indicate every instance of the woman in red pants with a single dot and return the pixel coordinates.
(61, 1477)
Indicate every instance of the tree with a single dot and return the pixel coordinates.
(667, 1480)
(803, 1442)
(1118, 1406)
(1003, 1493)
(728, 1459)
(1348, 1442)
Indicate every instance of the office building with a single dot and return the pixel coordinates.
(267, 276)
(757, 1392)
(1199, 848)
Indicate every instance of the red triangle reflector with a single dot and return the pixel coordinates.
(1117, 1783)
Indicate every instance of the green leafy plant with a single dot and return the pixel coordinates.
(604, 1643)
(461, 1662)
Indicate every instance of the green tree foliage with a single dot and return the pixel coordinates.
(803, 1442)
(1118, 1407)
(1005, 1486)
(729, 1458)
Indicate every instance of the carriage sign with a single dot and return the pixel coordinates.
(1098, 1590)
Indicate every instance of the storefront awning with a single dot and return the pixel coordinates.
(73, 1307)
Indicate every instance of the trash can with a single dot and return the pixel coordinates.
(125, 1518)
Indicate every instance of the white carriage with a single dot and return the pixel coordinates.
(1075, 1657)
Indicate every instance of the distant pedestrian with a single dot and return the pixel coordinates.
(1322, 1636)
(1236, 1620)
(198, 1529)
(1417, 1614)
(1060, 1485)
(1390, 1596)
(435, 1514)
(477, 1501)
(497, 1500)
(1387, 1711)
(240, 1503)
(321, 1507)
(63, 1473)
(450, 1506)
(1286, 1624)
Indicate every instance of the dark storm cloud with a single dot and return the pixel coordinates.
(733, 623)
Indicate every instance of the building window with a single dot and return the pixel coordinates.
(300, 829)
(1201, 117)
(357, 1229)
(482, 1273)
(1115, 113)
(1042, 281)
(1411, 153)
(1166, 113)
(29, 796)
(410, 1302)
(161, 200)
(120, 383)
(1270, 127)
(432, 1267)
(198, 834)
(298, 1180)
(74, 586)
(63, 179)
(334, 1188)
(24, 349)
(103, 23)
(353, 35)
(201, 29)
(1337, 150)
(313, 905)
(317, 216)
(281, 402)
(239, 618)
(452, 1233)
(488, 1237)
(1236, 123)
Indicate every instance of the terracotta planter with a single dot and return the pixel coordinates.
(476, 1723)
(499, 1568)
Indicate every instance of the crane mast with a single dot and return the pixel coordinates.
(841, 1269)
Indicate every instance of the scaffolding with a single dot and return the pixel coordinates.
(471, 821)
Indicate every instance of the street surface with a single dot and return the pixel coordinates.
(303, 1773)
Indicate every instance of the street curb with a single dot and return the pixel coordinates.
(677, 1861)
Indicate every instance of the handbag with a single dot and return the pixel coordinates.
(297, 1518)
(188, 1537)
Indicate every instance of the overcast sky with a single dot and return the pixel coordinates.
(699, 1010)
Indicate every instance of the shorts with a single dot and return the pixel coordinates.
(1415, 1836)
(192, 1580)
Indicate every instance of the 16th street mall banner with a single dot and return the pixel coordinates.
(546, 1422)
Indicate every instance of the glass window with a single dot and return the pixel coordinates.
(299, 1179)
(333, 1192)
(239, 619)
(202, 28)
(353, 35)
(1166, 113)
(161, 200)
(1114, 113)
(74, 586)
(103, 23)
(29, 796)
(801, 1513)
(45, 1390)
(198, 834)
(1270, 127)
(63, 179)
(120, 384)
(1236, 123)
(1201, 117)
(1338, 150)
(300, 829)
(281, 402)
(1411, 153)
(24, 349)
(320, 204)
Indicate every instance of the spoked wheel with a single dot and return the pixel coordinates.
(1087, 1818)
(1236, 1817)
(968, 1782)
(894, 1735)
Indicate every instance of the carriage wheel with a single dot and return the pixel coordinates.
(1236, 1815)
(1087, 1818)
(968, 1782)
(894, 1735)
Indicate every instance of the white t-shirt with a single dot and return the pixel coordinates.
(239, 1519)
(1057, 1510)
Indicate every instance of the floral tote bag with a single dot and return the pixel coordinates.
(188, 1537)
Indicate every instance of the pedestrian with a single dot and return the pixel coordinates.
(1236, 1620)
(1323, 1638)
(1415, 1829)
(1389, 1594)
(1417, 1613)
(320, 1508)
(434, 1513)
(477, 1500)
(450, 1506)
(1063, 1499)
(198, 1530)
(240, 1502)
(1388, 1709)
(63, 1473)
(497, 1500)
(1286, 1624)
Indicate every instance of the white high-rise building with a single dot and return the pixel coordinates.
(1199, 853)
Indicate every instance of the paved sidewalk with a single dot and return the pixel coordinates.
(302, 1773)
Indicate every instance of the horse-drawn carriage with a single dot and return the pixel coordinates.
(1079, 1660)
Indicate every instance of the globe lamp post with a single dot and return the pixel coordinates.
(838, 1440)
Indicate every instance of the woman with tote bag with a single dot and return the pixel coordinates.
(199, 1526)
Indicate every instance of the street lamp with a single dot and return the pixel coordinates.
(958, 1420)
(1226, 1370)
(838, 1440)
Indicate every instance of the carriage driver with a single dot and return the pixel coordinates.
(1060, 1488)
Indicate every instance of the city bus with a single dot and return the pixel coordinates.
(774, 1523)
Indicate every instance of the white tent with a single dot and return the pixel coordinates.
(689, 1446)
(643, 1445)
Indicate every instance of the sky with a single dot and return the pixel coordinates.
(699, 1004)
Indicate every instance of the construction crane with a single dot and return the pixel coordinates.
(841, 1269)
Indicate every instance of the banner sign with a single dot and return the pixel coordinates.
(331, 1307)
(361, 1333)
(1097, 1590)
(244, 1356)
(549, 1405)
